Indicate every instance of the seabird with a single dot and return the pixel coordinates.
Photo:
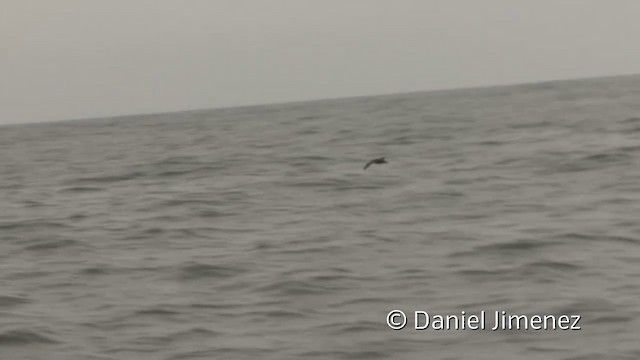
(375, 161)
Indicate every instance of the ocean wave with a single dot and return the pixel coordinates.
(194, 271)
(10, 301)
(25, 338)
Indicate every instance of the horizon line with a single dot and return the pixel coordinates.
(303, 101)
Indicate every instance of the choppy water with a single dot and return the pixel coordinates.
(254, 233)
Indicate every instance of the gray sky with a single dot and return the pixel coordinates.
(63, 59)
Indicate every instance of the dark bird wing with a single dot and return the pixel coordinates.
(369, 164)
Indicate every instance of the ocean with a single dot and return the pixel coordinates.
(255, 233)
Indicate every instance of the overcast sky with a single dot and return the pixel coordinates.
(64, 59)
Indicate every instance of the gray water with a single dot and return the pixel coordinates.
(254, 233)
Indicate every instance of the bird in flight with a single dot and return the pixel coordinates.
(375, 161)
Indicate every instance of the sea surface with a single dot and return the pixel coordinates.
(255, 233)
